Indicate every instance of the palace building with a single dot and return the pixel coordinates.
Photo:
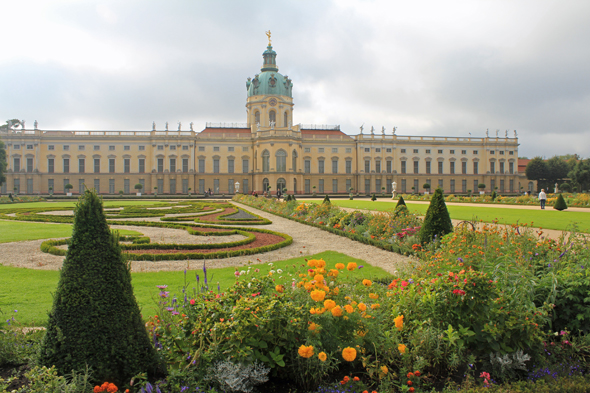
(269, 151)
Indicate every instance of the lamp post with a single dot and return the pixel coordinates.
(393, 186)
(237, 184)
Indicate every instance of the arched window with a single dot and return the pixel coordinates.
(286, 119)
(272, 117)
(265, 161)
(256, 117)
(265, 184)
(294, 158)
(281, 161)
(281, 184)
(294, 186)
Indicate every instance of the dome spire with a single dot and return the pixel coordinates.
(270, 57)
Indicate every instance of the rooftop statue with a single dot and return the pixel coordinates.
(394, 129)
(36, 124)
(268, 35)
(362, 128)
(179, 125)
(191, 125)
(372, 130)
(153, 126)
(515, 134)
(166, 126)
(383, 130)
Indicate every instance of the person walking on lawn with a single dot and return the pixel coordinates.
(542, 198)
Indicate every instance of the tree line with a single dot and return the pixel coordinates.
(569, 171)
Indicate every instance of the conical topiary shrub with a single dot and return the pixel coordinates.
(560, 203)
(373, 198)
(95, 319)
(400, 202)
(327, 200)
(437, 221)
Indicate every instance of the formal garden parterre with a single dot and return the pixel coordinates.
(491, 309)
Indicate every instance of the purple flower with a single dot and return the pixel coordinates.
(161, 287)
(164, 294)
(175, 313)
(460, 259)
(169, 308)
(361, 266)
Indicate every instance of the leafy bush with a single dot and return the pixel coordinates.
(560, 203)
(437, 221)
(95, 320)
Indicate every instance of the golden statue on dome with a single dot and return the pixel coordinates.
(268, 35)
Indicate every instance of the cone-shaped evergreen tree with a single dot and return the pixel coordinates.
(373, 198)
(437, 221)
(95, 318)
(327, 199)
(560, 203)
(400, 202)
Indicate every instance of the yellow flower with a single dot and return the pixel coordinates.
(367, 283)
(318, 295)
(349, 309)
(375, 306)
(401, 348)
(360, 333)
(322, 356)
(384, 369)
(362, 307)
(336, 311)
(329, 304)
(373, 296)
(351, 266)
(340, 266)
(349, 354)
(399, 322)
(305, 351)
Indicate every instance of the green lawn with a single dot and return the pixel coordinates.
(16, 231)
(549, 218)
(73, 203)
(30, 291)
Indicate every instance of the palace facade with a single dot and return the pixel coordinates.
(269, 151)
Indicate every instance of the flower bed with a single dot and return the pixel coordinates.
(572, 199)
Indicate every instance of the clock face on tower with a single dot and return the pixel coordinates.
(272, 102)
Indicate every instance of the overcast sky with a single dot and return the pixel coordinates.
(428, 67)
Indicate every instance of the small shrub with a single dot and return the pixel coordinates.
(326, 199)
(373, 198)
(400, 202)
(560, 203)
(437, 221)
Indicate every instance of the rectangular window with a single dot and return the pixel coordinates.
(416, 185)
(245, 148)
(378, 185)
(492, 152)
(172, 186)
(230, 148)
(403, 166)
(141, 148)
(334, 150)
(96, 147)
(367, 166)
(29, 147)
(111, 186)
(201, 165)
(367, 149)
(126, 147)
(334, 185)
(97, 165)
(111, 147)
(427, 151)
(81, 147)
(230, 165)
(185, 165)
(388, 185)
(29, 186)
(160, 147)
(29, 165)
(404, 187)
(321, 166)
(160, 185)
(334, 166)
(50, 185)
(216, 186)
(367, 186)
(66, 147)
(452, 167)
(111, 165)
(452, 151)
(142, 182)
(16, 147)
(320, 149)
(440, 167)
(475, 152)
(97, 185)
(50, 147)
(415, 150)
(66, 165)
(428, 166)
(246, 188)
(172, 147)
(50, 165)
(475, 184)
(501, 185)
(464, 167)
(348, 164)
(126, 186)
(501, 152)
(511, 182)
(377, 166)
(416, 166)
(185, 147)
(348, 150)
(321, 186)
(403, 150)
(185, 186)
(377, 150)
(511, 153)
(463, 151)
(452, 186)
(172, 165)
(216, 166)
(81, 186)
(307, 150)
(388, 166)
(66, 182)
(201, 186)
(440, 151)
(464, 185)
(492, 167)
(142, 165)
(160, 166)
(127, 165)
(230, 186)
(511, 168)
(17, 186)
(16, 165)
(348, 185)
(245, 166)
(501, 167)
(215, 148)
(307, 186)
(81, 165)
(475, 167)
(201, 148)
(440, 184)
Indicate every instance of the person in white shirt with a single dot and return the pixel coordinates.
(542, 198)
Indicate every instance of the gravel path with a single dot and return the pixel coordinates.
(307, 240)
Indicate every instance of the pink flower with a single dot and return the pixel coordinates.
(237, 273)
(192, 302)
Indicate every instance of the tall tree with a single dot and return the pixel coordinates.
(95, 319)
(538, 170)
(557, 169)
(3, 163)
(581, 174)
(14, 122)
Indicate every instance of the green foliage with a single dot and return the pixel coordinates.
(426, 186)
(537, 169)
(138, 186)
(494, 195)
(565, 187)
(400, 202)
(326, 199)
(17, 345)
(437, 221)
(42, 379)
(560, 203)
(95, 319)
(481, 186)
(581, 174)
(373, 197)
(3, 163)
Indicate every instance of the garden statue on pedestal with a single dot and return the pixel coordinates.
(393, 186)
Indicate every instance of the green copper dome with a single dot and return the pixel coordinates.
(269, 81)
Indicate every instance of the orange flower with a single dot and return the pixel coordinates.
(318, 278)
(336, 311)
(312, 326)
(305, 351)
(112, 388)
(318, 295)
(373, 296)
(417, 373)
(360, 333)
(280, 288)
(333, 273)
(401, 348)
(367, 283)
(384, 369)
(362, 307)
(410, 374)
(336, 291)
(351, 266)
(340, 266)
(329, 304)
(322, 356)
(349, 309)
(399, 322)
(375, 306)
(349, 354)
(356, 379)
(346, 379)
(411, 390)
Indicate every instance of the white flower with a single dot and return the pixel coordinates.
(242, 272)
(249, 284)
(279, 271)
(270, 264)
(272, 271)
